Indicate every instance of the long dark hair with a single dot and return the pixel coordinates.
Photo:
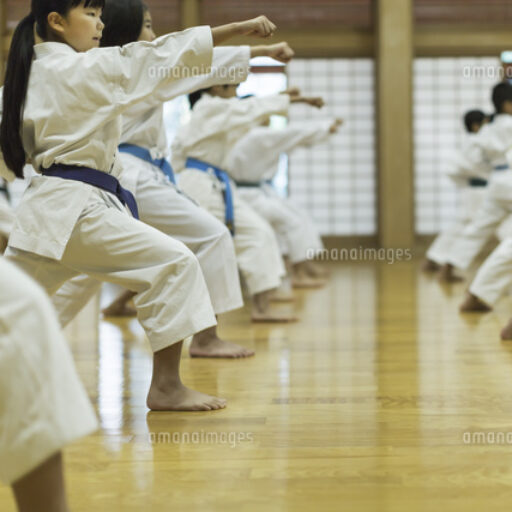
(123, 21)
(17, 74)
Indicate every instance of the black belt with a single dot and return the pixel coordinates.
(477, 182)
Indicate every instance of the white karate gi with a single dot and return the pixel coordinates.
(215, 126)
(465, 165)
(160, 203)
(43, 404)
(64, 228)
(254, 159)
(494, 277)
(494, 141)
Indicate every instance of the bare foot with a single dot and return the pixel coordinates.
(473, 303)
(506, 332)
(446, 275)
(119, 310)
(262, 312)
(215, 347)
(282, 296)
(120, 307)
(181, 398)
(316, 271)
(430, 266)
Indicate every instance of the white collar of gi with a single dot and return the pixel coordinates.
(43, 49)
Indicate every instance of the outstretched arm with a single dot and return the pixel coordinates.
(257, 27)
(280, 52)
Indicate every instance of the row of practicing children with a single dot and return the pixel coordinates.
(104, 206)
(482, 171)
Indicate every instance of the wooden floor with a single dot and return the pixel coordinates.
(383, 398)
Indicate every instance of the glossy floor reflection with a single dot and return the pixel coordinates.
(383, 398)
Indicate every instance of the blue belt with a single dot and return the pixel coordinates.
(503, 167)
(477, 182)
(145, 154)
(222, 176)
(96, 179)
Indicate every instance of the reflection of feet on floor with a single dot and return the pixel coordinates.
(473, 304)
(446, 275)
(307, 282)
(119, 310)
(217, 348)
(273, 317)
(506, 332)
(430, 266)
(181, 398)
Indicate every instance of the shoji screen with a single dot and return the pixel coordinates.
(444, 89)
(336, 182)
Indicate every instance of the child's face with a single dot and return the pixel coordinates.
(147, 33)
(81, 29)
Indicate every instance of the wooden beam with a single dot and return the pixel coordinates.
(190, 13)
(461, 41)
(394, 51)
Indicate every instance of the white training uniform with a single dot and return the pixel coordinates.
(64, 228)
(254, 159)
(6, 215)
(162, 205)
(461, 169)
(215, 126)
(494, 277)
(43, 404)
(494, 141)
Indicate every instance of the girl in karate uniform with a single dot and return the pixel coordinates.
(253, 162)
(62, 102)
(144, 154)
(493, 142)
(199, 151)
(43, 404)
(471, 180)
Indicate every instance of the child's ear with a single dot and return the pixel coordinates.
(55, 22)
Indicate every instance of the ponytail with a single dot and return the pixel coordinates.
(17, 75)
(15, 90)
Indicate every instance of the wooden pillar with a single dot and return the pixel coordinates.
(3, 38)
(394, 53)
(190, 13)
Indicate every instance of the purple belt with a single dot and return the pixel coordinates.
(97, 179)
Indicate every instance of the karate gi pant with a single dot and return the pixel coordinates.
(297, 238)
(107, 244)
(163, 207)
(43, 404)
(496, 207)
(310, 232)
(471, 199)
(258, 253)
(494, 277)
